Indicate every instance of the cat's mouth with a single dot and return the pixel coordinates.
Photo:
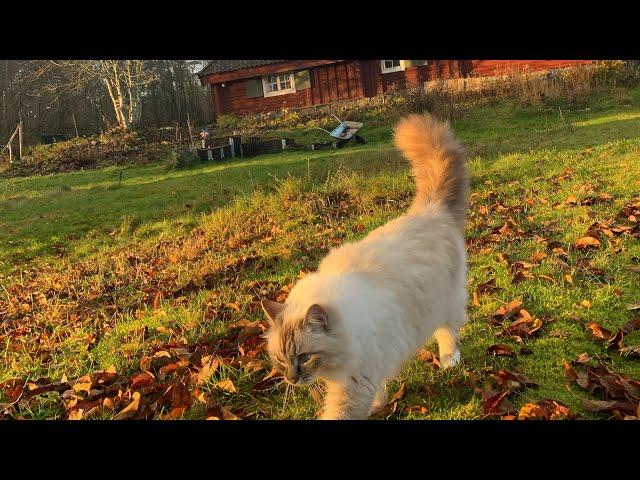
(297, 382)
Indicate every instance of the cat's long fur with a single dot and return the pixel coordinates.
(377, 301)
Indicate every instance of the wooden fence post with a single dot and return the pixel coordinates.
(193, 146)
(73, 115)
(235, 143)
(17, 131)
(20, 140)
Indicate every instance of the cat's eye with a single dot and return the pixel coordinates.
(303, 358)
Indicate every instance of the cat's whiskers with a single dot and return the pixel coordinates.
(287, 392)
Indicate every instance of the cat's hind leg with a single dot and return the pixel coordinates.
(447, 338)
(379, 401)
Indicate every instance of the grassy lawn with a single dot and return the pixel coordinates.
(103, 269)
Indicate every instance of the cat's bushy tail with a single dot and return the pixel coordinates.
(438, 161)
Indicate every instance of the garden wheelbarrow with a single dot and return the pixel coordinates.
(345, 132)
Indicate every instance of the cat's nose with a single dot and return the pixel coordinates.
(292, 378)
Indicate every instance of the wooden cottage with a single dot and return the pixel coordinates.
(254, 86)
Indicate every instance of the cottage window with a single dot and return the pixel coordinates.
(389, 66)
(278, 84)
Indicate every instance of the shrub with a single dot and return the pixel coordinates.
(229, 121)
(185, 158)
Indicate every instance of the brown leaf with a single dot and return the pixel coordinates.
(526, 326)
(179, 395)
(513, 380)
(631, 325)
(234, 306)
(210, 365)
(399, 395)
(557, 248)
(38, 387)
(155, 362)
(569, 372)
(83, 384)
(532, 411)
(497, 403)
(156, 300)
(12, 389)
(108, 403)
(500, 350)
(221, 413)
(615, 341)
(507, 311)
(608, 406)
(521, 276)
(420, 409)
(171, 369)
(538, 256)
(174, 413)
(631, 388)
(142, 380)
(583, 358)
(487, 287)
(598, 332)
(545, 409)
(476, 301)
(571, 200)
(520, 265)
(271, 380)
(131, 409)
(226, 385)
(75, 414)
(612, 385)
(587, 243)
(428, 357)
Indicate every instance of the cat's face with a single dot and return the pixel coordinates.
(301, 349)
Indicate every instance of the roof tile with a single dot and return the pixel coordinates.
(223, 66)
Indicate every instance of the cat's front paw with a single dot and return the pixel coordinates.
(451, 360)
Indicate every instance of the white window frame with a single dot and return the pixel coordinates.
(265, 83)
(399, 68)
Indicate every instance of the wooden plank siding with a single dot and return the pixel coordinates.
(329, 83)
(234, 100)
(338, 80)
(394, 81)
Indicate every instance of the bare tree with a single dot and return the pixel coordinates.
(124, 81)
(56, 97)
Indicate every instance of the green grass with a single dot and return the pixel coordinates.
(95, 248)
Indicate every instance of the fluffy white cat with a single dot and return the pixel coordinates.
(372, 304)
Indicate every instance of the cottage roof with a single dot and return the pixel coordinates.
(223, 66)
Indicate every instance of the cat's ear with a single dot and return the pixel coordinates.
(272, 310)
(316, 317)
